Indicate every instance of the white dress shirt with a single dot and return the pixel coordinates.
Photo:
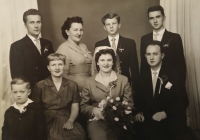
(160, 34)
(116, 40)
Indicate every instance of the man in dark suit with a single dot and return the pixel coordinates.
(28, 55)
(172, 43)
(125, 48)
(162, 100)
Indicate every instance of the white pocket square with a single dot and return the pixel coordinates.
(168, 85)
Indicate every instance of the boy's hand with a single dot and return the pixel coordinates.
(139, 117)
(68, 125)
(159, 116)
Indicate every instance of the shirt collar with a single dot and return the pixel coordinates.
(99, 78)
(24, 105)
(116, 38)
(161, 32)
(158, 70)
(33, 38)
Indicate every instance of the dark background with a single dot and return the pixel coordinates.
(133, 15)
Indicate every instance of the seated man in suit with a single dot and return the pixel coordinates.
(125, 48)
(172, 43)
(28, 55)
(162, 100)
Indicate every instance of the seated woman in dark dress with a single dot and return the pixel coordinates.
(60, 100)
(97, 88)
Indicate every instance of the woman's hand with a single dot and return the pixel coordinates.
(68, 125)
(97, 113)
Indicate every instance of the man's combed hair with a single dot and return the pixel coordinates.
(31, 12)
(156, 8)
(55, 56)
(110, 16)
(155, 42)
(20, 80)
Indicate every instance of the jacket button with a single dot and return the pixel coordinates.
(36, 68)
(19, 118)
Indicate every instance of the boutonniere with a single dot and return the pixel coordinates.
(166, 45)
(164, 77)
(46, 49)
(168, 85)
(113, 83)
(120, 49)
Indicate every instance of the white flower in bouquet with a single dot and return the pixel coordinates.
(114, 108)
(116, 119)
(128, 112)
(111, 100)
(129, 107)
(108, 97)
(117, 99)
(125, 127)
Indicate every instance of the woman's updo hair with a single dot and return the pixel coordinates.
(55, 56)
(105, 51)
(67, 24)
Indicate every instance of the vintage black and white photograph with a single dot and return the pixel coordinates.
(100, 70)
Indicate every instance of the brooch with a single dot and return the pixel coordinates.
(46, 49)
(120, 49)
(166, 45)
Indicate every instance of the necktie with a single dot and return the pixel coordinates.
(38, 45)
(154, 80)
(155, 36)
(113, 44)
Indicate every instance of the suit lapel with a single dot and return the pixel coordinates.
(158, 84)
(149, 85)
(102, 87)
(166, 37)
(120, 44)
(31, 46)
(107, 42)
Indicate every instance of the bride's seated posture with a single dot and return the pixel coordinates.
(99, 86)
(60, 100)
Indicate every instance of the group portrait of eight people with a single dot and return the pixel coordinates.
(49, 88)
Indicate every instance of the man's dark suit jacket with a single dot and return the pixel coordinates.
(126, 50)
(173, 101)
(25, 59)
(173, 49)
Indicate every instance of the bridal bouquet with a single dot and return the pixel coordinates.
(119, 118)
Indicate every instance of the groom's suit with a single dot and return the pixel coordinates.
(172, 100)
(126, 49)
(173, 49)
(25, 59)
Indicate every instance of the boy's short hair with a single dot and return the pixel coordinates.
(110, 16)
(56, 56)
(20, 80)
(156, 8)
(31, 12)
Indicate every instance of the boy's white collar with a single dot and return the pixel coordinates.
(25, 104)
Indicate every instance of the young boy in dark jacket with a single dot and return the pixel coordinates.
(24, 120)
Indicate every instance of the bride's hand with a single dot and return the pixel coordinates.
(97, 113)
(68, 125)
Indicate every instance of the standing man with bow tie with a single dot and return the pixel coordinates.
(125, 48)
(28, 55)
(172, 43)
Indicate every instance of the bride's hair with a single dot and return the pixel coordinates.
(105, 51)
